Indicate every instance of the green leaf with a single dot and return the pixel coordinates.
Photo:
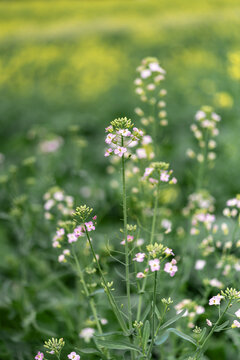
(180, 334)
(146, 333)
(89, 351)
(162, 338)
(172, 320)
(222, 326)
(117, 345)
(146, 312)
(157, 312)
(202, 334)
(110, 333)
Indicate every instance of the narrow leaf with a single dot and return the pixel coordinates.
(146, 333)
(160, 339)
(172, 320)
(117, 345)
(222, 326)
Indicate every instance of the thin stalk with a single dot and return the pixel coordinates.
(153, 315)
(106, 288)
(151, 241)
(202, 167)
(201, 350)
(91, 300)
(126, 242)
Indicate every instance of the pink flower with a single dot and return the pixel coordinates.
(154, 264)
(95, 217)
(129, 239)
(60, 232)
(234, 325)
(61, 258)
(237, 313)
(78, 231)
(164, 176)
(124, 132)
(170, 268)
(140, 275)
(108, 152)
(139, 257)
(109, 138)
(141, 153)
(89, 225)
(169, 251)
(73, 356)
(148, 171)
(215, 300)
(120, 150)
(72, 238)
(39, 356)
(109, 128)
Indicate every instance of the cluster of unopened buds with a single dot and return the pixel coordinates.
(149, 88)
(122, 136)
(156, 254)
(158, 172)
(56, 199)
(192, 310)
(205, 130)
(233, 206)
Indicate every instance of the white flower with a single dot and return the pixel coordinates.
(200, 264)
(145, 74)
(87, 334)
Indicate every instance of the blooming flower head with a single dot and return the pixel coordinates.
(154, 265)
(109, 138)
(39, 356)
(87, 334)
(216, 300)
(108, 152)
(120, 150)
(72, 238)
(61, 258)
(170, 268)
(141, 275)
(90, 226)
(139, 257)
(73, 356)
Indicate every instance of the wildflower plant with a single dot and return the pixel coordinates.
(146, 257)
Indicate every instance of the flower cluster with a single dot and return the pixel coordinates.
(192, 310)
(158, 172)
(233, 206)
(149, 88)
(199, 200)
(205, 130)
(156, 254)
(55, 199)
(122, 135)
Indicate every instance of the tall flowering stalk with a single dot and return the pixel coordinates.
(121, 135)
(151, 92)
(205, 130)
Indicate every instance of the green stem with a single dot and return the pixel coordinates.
(126, 242)
(202, 166)
(151, 241)
(153, 315)
(91, 300)
(201, 350)
(106, 288)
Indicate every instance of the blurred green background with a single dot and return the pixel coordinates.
(67, 69)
